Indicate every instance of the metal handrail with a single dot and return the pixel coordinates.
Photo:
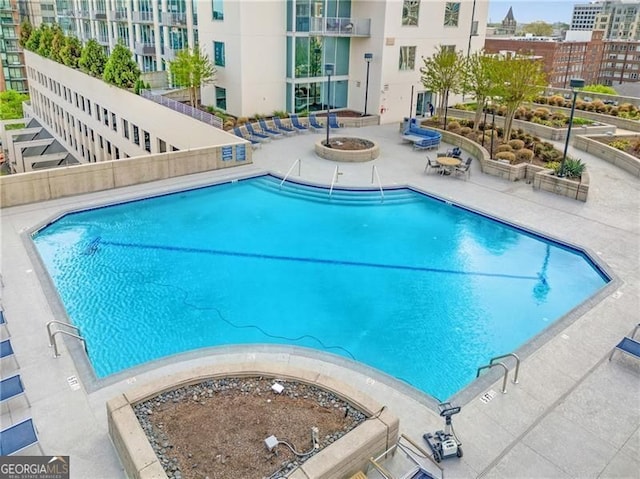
(334, 180)
(510, 355)
(506, 374)
(55, 345)
(61, 323)
(290, 169)
(374, 170)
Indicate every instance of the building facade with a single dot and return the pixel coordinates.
(620, 61)
(12, 74)
(584, 15)
(620, 20)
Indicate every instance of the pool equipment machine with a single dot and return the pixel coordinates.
(445, 443)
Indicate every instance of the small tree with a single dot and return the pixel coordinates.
(121, 70)
(71, 51)
(92, 59)
(46, 41)
(57, 43)
(11, 104)
(516, 79)
(477, 80)
(539, 29)
(26, 29)
(442, 74)
(33, 44)
(192, 69)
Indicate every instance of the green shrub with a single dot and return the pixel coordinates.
(573, 168)
(581, 121)
(280, 114)
(464, 131)
(453, 125)
(524, 155)
(516, 144)
(542, 113)
(504, 147)
(621, 144)
(635, 145)
(506, 155)
(553, 165)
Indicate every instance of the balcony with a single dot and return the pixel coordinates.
(119, 16)
(142, 48)
(169, 54)
(174, 19)
(142, 17)
(83, 14)
(336, 26)
(100, 15)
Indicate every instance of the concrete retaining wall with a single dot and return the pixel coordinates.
(87, 178)
(623, 123)
(612, 155)
(341, 459)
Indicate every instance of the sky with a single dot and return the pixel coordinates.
(527, 11)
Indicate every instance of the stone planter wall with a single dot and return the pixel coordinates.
(555, 134)
(619, 158)
(343, 458)
(547, 181)
(623, 123)
(349, 156)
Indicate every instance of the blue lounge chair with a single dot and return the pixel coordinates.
(314, 124)
(284, 129)
(12, 387)
(254, 141)
(3, 321)
(627, 346)
(295, 122)
(267, 130)
(255, 134)
(18, 437)
(333, 121)
(6, 350)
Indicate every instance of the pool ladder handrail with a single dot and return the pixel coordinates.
(334, 180)
(299, 163)
(52, 335)
(506, 374)
(510, 355)
(493, 363)
(374, 170)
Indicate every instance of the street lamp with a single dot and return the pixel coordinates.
(328, 69)
(575, 84)
(493, 127)
(367, 58)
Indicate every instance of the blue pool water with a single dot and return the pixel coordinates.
(398, 285)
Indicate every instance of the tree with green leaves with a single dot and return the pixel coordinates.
(92, 59)
(477, 80)
(192, 68)
(442, 74)
(46, 41)
(121, 70)
(57, 42)
(11, 104)
(539, 29)
(71, 51)
(516, 79)
(607, 90)
(33, 43)
(26, 29)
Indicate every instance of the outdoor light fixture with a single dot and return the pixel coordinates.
(367, 58)
(575, 84)
(328, 69)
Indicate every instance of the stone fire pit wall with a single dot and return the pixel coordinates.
(343, 458)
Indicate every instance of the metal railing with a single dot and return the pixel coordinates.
(340, 26)
(52, 335)
(200, 115)
(142, 17)
(174, 19)
(334, 180)
(145, 48)
(504, 379)
(374, 171)
(299, 163)
(510, 355)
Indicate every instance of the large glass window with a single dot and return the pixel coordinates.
(451, 14)
(218, 54)
(407, 58)
(221, 98)
(217, 12)
(410, 11)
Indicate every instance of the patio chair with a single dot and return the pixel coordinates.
(6, 351)
(12, 387)
(284, 129)
(627, 346)
(295, 122)
(314, 124)
(432, 165)
(254, 141)
(464, 168)
(256, 135)
(455, 153)
(3, 321)
(333, 121)
(267, 130)
(18, 437)
(441, 155)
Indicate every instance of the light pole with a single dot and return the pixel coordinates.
(328, 69)
(484, 123)
(493, 127)
(367, 58)
(574, 83)
(446, 105)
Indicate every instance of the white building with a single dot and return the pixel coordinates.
(584, 15)
(270, 54)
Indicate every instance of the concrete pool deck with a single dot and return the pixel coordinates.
(573, 413)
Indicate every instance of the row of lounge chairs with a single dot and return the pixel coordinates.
(264, 132)
(23, 434)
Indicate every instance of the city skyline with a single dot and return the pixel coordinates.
(527, 11)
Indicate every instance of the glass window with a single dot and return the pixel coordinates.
(114, 124)
(410, 11)
(451, 14)
(125, 128)
(218, 54)
(221, 98)
(147, 141)
(136, 135)
(218, 13)
(407, 58)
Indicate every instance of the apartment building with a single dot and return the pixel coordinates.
(584, 15)
(620, 60)
(620, 20)
(12, 74)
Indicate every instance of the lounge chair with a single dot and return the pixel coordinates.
(432, 165)
(268, 131)
(12, 387)
(465, 168)
(314, 124)
(627, 346)
(3, 321)
(18, 437)
(295, 122)
(284, 129)
(256, 135)
(6, 350)
(254, 141)
(333, 121)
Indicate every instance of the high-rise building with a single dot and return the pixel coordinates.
(620, 20)
(584, 15)
(12, 74)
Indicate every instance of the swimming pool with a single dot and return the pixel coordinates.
(398, 285)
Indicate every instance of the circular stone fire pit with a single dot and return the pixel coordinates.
(347, 149)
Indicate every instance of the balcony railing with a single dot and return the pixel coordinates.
(184, 109)
(119, 16)
(174, 19)
(169, 54)
(142, 17)
(99, 15)
(83, 14)
(336, 26)
(142, 48)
